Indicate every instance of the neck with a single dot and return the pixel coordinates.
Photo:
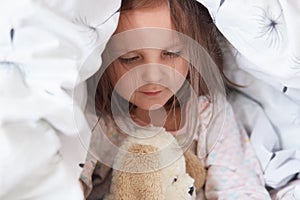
(169, 119)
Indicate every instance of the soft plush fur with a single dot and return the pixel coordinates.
(154, 168)
(195, 169)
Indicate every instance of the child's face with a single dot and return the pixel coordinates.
(147, 77)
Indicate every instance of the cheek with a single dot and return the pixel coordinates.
(115, 72)
(125, 88)
(182, 68)
(178, 79)
(122, 80)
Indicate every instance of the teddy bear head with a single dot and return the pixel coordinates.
(151, 168)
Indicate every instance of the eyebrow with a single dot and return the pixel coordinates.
(123, 50)
(177, 45)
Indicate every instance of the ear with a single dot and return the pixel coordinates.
(133, 183)
(195, 169)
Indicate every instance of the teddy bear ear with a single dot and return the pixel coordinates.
(195, 169)
(139, 177)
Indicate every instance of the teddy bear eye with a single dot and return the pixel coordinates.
(175, 180)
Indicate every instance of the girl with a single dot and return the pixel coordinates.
(153, 82)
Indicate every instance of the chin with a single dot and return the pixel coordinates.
(145, 104)
(150, 107)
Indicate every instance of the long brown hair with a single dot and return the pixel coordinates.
(188, 17)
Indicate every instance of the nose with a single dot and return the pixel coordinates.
(154, 69)
(191, 191)
(152, 73)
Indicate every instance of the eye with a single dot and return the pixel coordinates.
(172, 54)
(175, 180)
(129, 60)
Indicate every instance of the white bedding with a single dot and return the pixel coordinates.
(50, 47)
(47, 49)
(265, 58)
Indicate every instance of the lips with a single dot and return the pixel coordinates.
(151, 93)
(151, 90)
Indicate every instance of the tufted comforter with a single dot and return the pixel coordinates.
(47, 51)
(264, 56)
(49, 48)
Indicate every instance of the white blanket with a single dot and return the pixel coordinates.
(265, 58)
(48, 49)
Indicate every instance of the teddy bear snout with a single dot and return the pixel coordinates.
(191, 191)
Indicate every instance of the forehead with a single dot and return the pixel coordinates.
(145, 38)
(145, 17)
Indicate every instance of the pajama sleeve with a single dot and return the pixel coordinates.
(233, 169)
(96, 174)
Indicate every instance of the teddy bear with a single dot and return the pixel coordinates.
(154, 166)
